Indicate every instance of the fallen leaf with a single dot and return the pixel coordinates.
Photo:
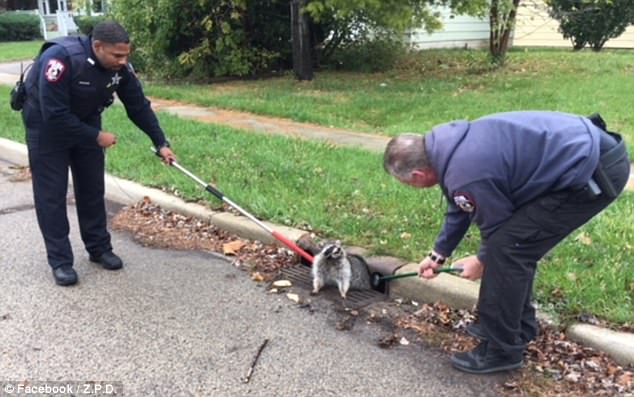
(233, 247)
(293, 297)
(282, 284)
(257, 276)
(583, 238)
(627, 379)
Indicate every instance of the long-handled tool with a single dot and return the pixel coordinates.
(290, 244)
(377, 279)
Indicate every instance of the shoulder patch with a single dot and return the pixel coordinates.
(464, 201)
(54, 70)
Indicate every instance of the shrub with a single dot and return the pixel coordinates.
(206, 38)
(592, 22)
(376, 55)
(19, 26)
(87, 23)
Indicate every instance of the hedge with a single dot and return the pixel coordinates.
(19, 26)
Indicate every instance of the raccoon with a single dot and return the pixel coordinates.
(333, 267)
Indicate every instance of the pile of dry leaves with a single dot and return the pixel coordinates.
(154, 227)
(556, 366)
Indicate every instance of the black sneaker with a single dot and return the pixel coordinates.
(475, 330)
(65, 275)
(108, 260)
(483, 360)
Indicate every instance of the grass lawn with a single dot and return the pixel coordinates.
(344, 193)
(19, 50)
(434, 87)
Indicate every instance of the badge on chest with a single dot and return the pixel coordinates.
(114, 81)
(464, 201)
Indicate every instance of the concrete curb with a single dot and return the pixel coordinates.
(454, 291)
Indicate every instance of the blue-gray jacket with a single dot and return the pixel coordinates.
(490, 167)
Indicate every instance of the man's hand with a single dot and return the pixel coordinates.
(167, 155)
(106, 139)
(427, 267)
(472, 267)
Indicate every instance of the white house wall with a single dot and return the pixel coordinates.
(535, 28)
(459, 31)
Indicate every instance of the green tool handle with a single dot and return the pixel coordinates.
(412, 274)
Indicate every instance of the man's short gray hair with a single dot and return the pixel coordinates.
(405, 153)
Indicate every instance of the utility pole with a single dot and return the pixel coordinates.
(300, 36)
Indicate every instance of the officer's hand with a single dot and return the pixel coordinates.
(472, 267)
(427, 267)
(167, 155)
(106, 139)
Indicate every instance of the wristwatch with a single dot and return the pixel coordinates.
(436, 258)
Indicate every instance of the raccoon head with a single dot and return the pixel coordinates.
(333, 250)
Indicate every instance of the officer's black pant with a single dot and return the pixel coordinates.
(49, 169)
(505, 311)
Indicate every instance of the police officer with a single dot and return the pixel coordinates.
(69, 85)
(527, 180)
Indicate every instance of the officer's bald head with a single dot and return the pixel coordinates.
(110, 32)
(404, 154)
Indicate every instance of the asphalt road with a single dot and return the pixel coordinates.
(183, 323)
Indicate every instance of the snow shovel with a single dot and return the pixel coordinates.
(218, 194)
(377, 279)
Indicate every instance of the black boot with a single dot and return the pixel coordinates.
(108, 260)
(65, 275)
(484, 360)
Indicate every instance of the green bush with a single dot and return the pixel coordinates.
(592, 22)
(206, 38)
(19, 26)
(377, 55)
(87, 23)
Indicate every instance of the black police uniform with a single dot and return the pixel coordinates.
(67, 91)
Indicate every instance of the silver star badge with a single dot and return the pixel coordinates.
(115, 79)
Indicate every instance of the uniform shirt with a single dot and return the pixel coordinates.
(65, 105)
(490, 167)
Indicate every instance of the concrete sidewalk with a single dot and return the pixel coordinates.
(455, 291)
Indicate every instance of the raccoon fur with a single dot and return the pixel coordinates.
(332, 266)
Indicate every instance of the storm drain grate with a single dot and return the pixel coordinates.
(301, 277)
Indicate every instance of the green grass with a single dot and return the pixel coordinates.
(19, 50)
(434, 87)
(343, 193)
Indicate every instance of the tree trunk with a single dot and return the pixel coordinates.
(300, 36)
(501, 23)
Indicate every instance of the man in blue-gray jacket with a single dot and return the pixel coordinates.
(71, 82)
(527, 180)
